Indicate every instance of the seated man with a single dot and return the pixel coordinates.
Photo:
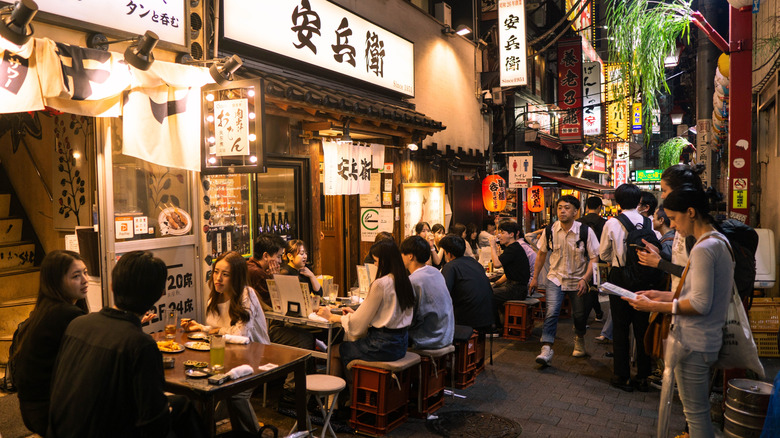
(433, 325)
(264, 263)
(513, 285)
(108, 378)
(472, 296)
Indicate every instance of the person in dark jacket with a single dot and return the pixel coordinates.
(472, 296)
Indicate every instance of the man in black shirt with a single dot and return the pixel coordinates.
(513, 285)
(472, 296)
(108, 378)
(593, 218)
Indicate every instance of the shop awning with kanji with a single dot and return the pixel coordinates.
(578, 183)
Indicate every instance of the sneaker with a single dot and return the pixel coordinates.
(599, 317)
(603, 340)
(545, 357)
(579, 347)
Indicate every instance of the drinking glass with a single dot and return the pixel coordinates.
(354, 294)
(333, 293)
(171, 320)
(217, 353)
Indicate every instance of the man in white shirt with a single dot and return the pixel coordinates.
(488, 232)
(613, 250)
(433, 323)
(570, 273)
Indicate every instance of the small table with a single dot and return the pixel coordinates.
(306, 322)
(288, 359)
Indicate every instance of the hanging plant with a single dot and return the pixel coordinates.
(669, 152)
(641, 34)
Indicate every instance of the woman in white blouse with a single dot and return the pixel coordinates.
(229, 312)
(377, 330)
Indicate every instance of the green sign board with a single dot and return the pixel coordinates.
(648, 175)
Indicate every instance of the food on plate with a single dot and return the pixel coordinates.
(197, 345)
(169, 346)
(195, 364)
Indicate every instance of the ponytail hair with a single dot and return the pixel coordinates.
(689, 196)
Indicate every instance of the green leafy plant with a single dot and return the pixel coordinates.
(641, 34)
(670, 150)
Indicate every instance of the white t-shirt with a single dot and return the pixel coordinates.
(256, 328)
(380, 309)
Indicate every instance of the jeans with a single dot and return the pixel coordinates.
(693, 382)
(554, 297)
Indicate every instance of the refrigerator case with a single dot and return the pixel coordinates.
(281, 194)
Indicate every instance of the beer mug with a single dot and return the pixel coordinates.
(171, 320)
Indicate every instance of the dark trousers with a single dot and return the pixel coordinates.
(511, 290)
(592, 302)
(623, 317)
(185, 422)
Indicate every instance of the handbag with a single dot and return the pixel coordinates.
(658, 328)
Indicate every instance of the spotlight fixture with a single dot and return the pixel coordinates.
(140, 55)
(14, 27)
(224, 75)
(412, 146)
(453, 163)
(436, 162)
(345, 137)
(461, 30)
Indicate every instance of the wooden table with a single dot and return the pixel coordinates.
(288, 359)
(333, 329)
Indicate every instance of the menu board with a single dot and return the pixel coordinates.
(421, 202)
(227, 214)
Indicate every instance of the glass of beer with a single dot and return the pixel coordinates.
(170, 319)
(333, 293)
(217, 353)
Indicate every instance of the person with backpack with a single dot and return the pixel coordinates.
(573, 249)
(621, 238)
(662, 225)
(593, 219)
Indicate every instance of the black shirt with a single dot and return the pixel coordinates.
(515, 264)
(108, 380)
(289, 269)
(472, 296)
(595, 222)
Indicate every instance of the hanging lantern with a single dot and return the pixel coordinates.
(494, 193)
(535, 199)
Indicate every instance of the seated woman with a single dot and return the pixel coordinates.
(233, 308)
(295, 256)
(61, 298)
(379, 327)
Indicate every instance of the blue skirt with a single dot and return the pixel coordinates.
(379, 344)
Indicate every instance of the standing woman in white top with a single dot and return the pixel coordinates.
(702, 305)
(378, 329)
(235, 313)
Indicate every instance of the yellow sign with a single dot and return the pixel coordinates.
(617, 110)
(740, 199)
(636, 118)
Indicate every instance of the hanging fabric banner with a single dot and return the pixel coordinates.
(377, 156)
(330, 173)
(20, 88)
(364, 176)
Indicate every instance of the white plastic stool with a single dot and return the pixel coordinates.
(321, 386)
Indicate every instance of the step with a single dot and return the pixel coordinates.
(5, 345)
(12, 313)
(10, 229)
(19, 283)
(17, 255)
(5, 204)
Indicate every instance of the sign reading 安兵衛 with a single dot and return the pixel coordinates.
(168, 19)
(323, 34)
(511, 35)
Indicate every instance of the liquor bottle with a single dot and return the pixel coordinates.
(266, 227)
(274, 228)
(287, 227)
(283, 227)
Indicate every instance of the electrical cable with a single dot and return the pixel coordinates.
(565, 18)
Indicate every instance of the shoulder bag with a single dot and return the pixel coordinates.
(658, 329)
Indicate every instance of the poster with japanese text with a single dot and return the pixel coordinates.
(591, 98)
(570, 89)
(231, 127)
(511, 46)
(421, 203)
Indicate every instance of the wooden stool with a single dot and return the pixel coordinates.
(380, 393)
(464, 366)
(518, 318)
(321, 386)
(430, 380)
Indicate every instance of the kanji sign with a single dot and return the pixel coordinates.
(231, 126)
(620, 172)
(740, 199)
(636, 118)
(617, 110)
(591, 98)
(346, 169)
(535, 200)
(511, 46)
(570, 89)
(521, 169)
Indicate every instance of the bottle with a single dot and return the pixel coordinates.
(287, 227)
(274, 228)
(283, 227)
(266, 227)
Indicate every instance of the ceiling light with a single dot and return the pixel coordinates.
(14, 27)
(462, 30)
(412, 146)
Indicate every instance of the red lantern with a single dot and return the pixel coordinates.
(494, 193)
(535, 199)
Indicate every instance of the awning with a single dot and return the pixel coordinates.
(580, 183)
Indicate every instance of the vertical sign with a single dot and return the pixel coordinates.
(570, 89)
(703, 136)
(621, 172)
(521, 169)
(740, 115)
(591, 98)
(636, 118)
(511, 46)
(231, 127)
(617, 110)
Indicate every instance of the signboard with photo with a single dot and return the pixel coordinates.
(421, 202)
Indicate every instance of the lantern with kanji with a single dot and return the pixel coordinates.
(494, 193)
(535, 199)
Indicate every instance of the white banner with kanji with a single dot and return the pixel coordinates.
(346, 169)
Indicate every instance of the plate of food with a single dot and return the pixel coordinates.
(169, 347)
(174, 221)
(198, 345)
(195, 364)
(196, 374)
(198, 336)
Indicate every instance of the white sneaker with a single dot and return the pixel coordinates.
(579, 347)
(545, 357)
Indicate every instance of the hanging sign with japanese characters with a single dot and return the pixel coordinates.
(165, 18)
(511, 43)
(323, 34)
(620, 173)
(521, 169)
(591, 98)
(570, 89)
(231, 127)
(617, 110)
(636, 118)
(346, 169)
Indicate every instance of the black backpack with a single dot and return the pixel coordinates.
(582, 240)
(634, 276)
(744, 243)
(7, 384)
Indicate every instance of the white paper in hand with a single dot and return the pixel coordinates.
(612, 289)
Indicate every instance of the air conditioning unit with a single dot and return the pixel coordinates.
(443, 12)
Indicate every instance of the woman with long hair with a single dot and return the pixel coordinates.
(62, 296)
(378, 329)
(296, 257)
(233, 308)
(471, 238)
(702, 304)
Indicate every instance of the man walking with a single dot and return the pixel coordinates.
(572, 253)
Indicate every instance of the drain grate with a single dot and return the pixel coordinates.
(472, 424)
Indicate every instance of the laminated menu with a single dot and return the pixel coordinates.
(613, 289)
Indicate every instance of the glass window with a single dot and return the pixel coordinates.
(149, 200)
(276, 202)
(227, 219)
